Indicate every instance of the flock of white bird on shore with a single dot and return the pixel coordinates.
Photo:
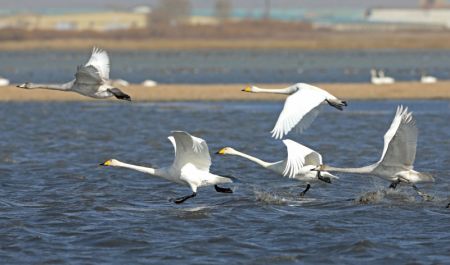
(191, 166)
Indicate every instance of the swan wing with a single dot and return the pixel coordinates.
(88, 75)
(400, 141)
(190, 149)
(100, 61)
(300, 109)
(298, 156)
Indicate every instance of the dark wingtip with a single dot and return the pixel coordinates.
(344, 103)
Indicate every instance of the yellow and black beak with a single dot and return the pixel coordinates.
(221, 151)
(247, 89)
(106, 163)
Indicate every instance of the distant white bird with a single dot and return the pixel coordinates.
(379, 78)
(428, 79)
(91, 79)
(300, 108)
(149, 83)
(299, 163)
(4, 81)
(374, 78)
(385, 79)
(190, 167)
(399, 152)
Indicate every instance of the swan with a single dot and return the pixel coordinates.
(399, 152)
(149, 83)
(428, 79)
(299, 163)
(91, 79)
(301, 106)
(190, 167)
(375, 79)
(385, 79)
(4, 81)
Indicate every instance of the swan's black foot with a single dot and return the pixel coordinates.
(304, 192)
(222, 190)
(394, 184)
(183, 199)
(322, 178)
(119, 94)
(448, 205)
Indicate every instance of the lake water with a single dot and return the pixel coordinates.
(57, 206)
(215, 66)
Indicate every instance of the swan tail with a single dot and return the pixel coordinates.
(337, 103)
(425, 177)
(215, 179)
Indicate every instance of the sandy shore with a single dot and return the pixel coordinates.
(309, 41)
(215, 92)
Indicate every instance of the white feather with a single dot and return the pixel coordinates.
(300, 109)
(100, 60)
(297, 157)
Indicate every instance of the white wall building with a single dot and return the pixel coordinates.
(432, 17)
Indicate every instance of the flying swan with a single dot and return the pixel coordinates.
(399, 152)
(190, 167)
(91, 79)
(298, 165)
(300, 108)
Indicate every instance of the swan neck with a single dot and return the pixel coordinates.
(252, 158)
(357, 170)
(147, 170)
(64, 86)
(285, 91)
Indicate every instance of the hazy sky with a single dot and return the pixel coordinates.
(31, 4)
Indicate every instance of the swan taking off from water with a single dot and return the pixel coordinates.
(91, 79)
(298, 165)
(190, 167)
(399, 152)
(300, 108)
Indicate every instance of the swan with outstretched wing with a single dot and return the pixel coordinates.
(91, 79)
(300, 108)
(397, 158)
(298, 165)
(190, 166)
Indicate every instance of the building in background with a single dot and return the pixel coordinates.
(100, 21)
(430, 12)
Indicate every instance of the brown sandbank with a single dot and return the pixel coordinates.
(217, 92)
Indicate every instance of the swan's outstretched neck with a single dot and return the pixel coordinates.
(286, 91)
(65, 86)
(251, 158)
(357, 170)
(116, 163)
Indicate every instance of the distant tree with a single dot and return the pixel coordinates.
(171, 12)
(223, 10)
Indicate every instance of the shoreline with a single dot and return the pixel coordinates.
(313, 41)
(232, 92)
